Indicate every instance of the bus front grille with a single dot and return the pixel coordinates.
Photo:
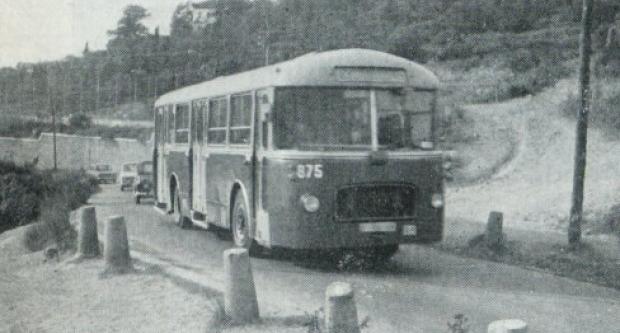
(375, 202)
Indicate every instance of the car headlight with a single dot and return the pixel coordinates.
(437, 200)
(310, 202)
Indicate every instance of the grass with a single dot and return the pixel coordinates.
(604, 114)
(583, 262)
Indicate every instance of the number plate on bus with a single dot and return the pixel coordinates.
(378, 227)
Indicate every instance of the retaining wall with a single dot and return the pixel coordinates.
(73, 151)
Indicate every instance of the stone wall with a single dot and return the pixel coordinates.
(74, 152)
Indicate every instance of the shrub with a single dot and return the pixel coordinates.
(21, 188)
(80, 121)
(36, 237)
(523, 60)
(24, 192)
(604, 113)
(53, 227)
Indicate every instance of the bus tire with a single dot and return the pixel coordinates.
(240, 224)
(179, 218)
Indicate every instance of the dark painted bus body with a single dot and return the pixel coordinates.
(328, 150)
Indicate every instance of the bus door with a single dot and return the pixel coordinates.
(199, 158)
(162, 114)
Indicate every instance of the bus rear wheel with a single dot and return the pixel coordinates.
(240, 224)
(179, 218)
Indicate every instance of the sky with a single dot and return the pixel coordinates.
(43, 30)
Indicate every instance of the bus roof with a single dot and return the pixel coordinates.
(346, 68)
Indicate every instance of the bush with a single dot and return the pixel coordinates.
(25, 192)
(523, 60)
(53, 227)
(604, 113)
(80, 121)
(21, 189)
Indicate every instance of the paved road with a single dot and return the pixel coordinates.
(418, 291)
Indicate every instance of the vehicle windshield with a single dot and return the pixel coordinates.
(404, 118)
(145, 168)
(102, 167)
(340, 118)
(129, 167)
(320, 118)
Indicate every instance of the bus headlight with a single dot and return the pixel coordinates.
(437, 200)
(310, 202)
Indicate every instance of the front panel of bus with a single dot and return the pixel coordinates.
(350, 167)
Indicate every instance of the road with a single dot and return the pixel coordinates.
(420, 290)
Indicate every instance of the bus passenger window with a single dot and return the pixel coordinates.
(169, 123)
(240, 119)
(181, 124)
(198, 108)
(218, 114)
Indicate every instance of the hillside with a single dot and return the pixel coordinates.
(530, 178)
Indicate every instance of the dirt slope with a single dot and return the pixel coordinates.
(533, 186)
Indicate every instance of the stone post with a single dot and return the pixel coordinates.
(240, 303)
(88, 241)
(340, 310)
(116, 247)
(493, 235)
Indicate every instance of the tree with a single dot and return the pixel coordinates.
(181, 26)
(130, 27)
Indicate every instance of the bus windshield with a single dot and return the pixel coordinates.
(323, 118)
(340, 118)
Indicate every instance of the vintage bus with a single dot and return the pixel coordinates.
(328, 150)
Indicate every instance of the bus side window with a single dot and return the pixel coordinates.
(240, 119)
(218, 114)
(197, 121)
(181, 124)
(169, 123)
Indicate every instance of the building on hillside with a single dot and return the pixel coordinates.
(202, 13)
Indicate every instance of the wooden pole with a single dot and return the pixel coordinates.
(576, 212)
(52, 109)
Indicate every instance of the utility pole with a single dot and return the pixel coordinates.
(97, 90)
(116, 92)
(34, 96)
(52, 108)
(576, 211)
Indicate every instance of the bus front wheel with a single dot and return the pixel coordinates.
(240, 224)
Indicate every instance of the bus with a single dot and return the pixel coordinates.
(328, 150)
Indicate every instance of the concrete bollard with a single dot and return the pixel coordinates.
(116, 247)
(240, 303)
(493, 236)
(507, 326)
(340, 310)
(88, 241)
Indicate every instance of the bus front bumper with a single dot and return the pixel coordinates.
(355, 234)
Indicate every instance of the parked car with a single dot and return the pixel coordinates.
(143, 184)
(103, 173)
(128, 175)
